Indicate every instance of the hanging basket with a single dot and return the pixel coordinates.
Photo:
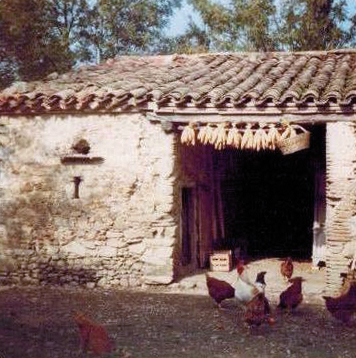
(296, 143)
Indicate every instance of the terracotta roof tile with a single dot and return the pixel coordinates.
(238, 78)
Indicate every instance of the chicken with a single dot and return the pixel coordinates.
(344, 306)
(241, 271)
(292, 296)
(287, 268)
(93, 336)
(245, 291)
(321, 264)
(260, 282)
(258, 311)
(219, 290)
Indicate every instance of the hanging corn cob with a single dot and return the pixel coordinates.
(234, 137)
(202, 135)
(260, 139)
(221, 136)
(247, 138)
(264, 137)
(205, 134)
(273, 137)
(214, 135)
(188, 135)
(209, 133)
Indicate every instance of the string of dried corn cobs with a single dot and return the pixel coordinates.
(234, 137)
(273, 137)
(188, 135)
(205, 134)
(221, 136)
(260, 139)
(248, 138)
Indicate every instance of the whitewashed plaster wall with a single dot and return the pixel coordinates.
(119, 232)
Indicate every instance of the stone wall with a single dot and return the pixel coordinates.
(119, 232)
(341, 197)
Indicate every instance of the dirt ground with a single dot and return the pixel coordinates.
(313, 287)
(37, 322)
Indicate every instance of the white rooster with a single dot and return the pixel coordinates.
(245, 290)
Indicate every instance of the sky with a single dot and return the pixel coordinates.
(180, 19)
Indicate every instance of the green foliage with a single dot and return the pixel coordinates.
(38, 37)
(315, 24)
(125, 26)
(258, 25)
(240, 25)
(194, 40)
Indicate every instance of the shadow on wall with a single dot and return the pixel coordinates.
(51, 274)
(55, 275)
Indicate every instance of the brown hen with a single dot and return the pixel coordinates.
(344, 306)
(287, 268)
(93, 336)
(219, 290)
(258, 311)
(292, 296)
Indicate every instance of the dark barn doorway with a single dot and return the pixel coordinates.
(268, 200)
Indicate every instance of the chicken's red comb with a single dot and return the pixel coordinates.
(240, 267)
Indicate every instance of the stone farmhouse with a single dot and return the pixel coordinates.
(131, 172)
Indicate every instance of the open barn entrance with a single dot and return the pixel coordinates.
(269, 199)
(265, 203)
(268, 203)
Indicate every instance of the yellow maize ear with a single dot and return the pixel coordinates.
(247, 138)
(221, 138)
(209, 134)
(202, 134)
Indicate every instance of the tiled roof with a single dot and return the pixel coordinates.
(235, 79)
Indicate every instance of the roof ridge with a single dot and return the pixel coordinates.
(177, 55)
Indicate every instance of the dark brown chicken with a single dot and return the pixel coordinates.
(292, 296)
(344, 306)
(287, 268)
(219, 290)
(258, 311)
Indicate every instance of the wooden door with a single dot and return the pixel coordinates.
(205, 237)
(187, 225)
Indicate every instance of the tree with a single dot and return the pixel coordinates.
(240, 25)
(258, 25)
(125, 26)
(38, 37)
(34, 39)
(194, 40)
(315, 24)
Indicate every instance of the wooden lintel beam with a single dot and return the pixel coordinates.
(248, 118)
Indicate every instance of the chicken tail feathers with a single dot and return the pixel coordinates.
(282, 305)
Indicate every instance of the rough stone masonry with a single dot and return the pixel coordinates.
(120, 231)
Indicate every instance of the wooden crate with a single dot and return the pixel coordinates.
(221, 261)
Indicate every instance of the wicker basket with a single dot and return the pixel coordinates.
(299, 142)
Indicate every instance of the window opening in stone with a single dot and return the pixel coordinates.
(76, 181)
(82, 147)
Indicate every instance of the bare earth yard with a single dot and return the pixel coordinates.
(37, 322)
